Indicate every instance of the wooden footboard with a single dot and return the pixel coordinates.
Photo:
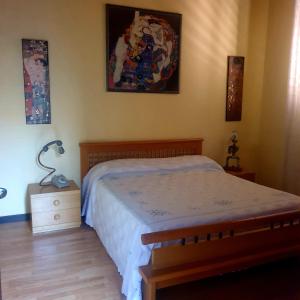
(208, 250)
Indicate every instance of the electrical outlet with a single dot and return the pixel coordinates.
(3, 192)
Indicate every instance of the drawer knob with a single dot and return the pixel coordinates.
(56, 202)
(56, 217)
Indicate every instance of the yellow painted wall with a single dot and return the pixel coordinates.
(81, 108)
(253, 83)
(273, 124)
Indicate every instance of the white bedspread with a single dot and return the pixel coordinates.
(126, 198)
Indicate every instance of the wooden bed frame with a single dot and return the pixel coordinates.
(207, 250)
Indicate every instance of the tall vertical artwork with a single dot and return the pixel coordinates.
(142, 50)
(36, 81)
(235, 74)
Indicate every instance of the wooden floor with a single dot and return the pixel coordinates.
(69, 264)
(72, 264)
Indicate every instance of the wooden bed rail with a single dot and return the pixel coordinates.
(232, 227)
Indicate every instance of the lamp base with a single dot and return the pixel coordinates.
(60, 181)
(42, 183)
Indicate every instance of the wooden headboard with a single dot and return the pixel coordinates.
(92, 153)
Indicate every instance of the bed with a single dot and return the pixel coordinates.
(164, 237)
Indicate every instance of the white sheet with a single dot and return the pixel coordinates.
(129, 197)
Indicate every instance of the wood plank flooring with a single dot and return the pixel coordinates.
(63, 265)
(73, 265)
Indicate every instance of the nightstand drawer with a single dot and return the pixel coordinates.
(54, 203)
(71, 215)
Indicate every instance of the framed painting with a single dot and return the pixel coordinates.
(36, 81)
(235, 75)
(143, 50)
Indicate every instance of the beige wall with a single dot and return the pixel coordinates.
(82, 109)
(272, 138)
(253, 83)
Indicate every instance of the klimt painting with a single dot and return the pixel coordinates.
(235, 74)
(143, 48)
(36, 81)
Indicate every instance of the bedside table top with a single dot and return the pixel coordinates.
(36, 189)
(248, 175)
(237, 173)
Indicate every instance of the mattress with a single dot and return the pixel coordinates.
(126, 198)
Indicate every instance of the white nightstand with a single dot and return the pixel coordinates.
(53, 208)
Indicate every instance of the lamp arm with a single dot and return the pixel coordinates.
(39, 160)
(50, 173)
(52, 170)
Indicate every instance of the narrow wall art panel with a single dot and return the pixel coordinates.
(235, 74)
(142, 50)
(36, 81)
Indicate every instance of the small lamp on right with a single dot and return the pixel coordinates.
(232, 150)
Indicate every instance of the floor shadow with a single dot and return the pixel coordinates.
(275, 281)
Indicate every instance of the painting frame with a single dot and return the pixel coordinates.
(134, 75)
(35, 55)
(234, 91)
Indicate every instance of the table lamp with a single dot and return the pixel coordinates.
(232, 150)
(59, 149)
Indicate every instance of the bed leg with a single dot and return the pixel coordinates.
(149, 291)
